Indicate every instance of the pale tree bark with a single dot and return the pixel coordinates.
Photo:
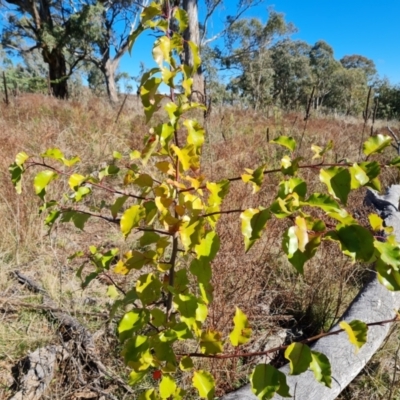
(192, 34)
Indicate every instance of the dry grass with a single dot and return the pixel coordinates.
(261, 283)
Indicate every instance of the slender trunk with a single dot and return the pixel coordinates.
(57, 72)
(192, 34)
(108, 70)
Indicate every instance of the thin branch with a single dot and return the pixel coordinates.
(279, 348)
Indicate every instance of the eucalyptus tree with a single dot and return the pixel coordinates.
(116, 21)
(356, 61)
(61, 31)
(292, 78)
(200, 33)
(323, 65)
(349, 91)
(247, 54)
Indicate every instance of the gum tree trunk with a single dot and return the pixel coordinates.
(192, 33)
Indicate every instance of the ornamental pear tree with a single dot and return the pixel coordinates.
(168, 210)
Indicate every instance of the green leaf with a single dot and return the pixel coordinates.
(323, 201)
(42, 179)
(218, 191)
(241, 332)
(358, 176)
(299, 356)
(136, 377)
(195, 133)
(149, 238)
(78, 219)
(389, 253)
(388, 276)
(208, 247)
(204, 382)
(131, 218)
(150, 394)
(254, 177)
(131, 322)
(321, 367)
(375, 144)
(293, 185)
(295, 256)
(211, 342)
(108, 170)
(266, 380)
(16, 176)
(195, 54)
(118, 204)
(182, 18)
(148, 288)
(144, 180)
(338, 182)
(253, 222)
(189, 307)
(186, 363)
(136, 353)
(355, 241)
(357, 332)
(190, 233)
(372, 169)
(285, 141)
(167, 386)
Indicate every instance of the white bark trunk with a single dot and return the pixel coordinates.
(192, 34)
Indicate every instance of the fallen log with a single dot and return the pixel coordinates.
(34, 373)
(373, 303)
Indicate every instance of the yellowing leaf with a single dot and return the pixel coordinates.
(319, 151)
(112, 292)
(285, 141)
(204, 382)
(195, 133)
(161, 50)
(131, 218)
(255, 178)
(42, 179)
(167, 386)
(375, 144)
(211, 342)
(253, 222)
(21, 158)
(376, 222)
(242, 331)
(187, 157)
(357, 332)
(75, 180)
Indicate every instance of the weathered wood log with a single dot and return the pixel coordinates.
(373, 303)
(36, 371)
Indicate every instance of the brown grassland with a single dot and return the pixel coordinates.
(280, 303)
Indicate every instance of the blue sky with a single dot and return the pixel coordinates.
(367, 27)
